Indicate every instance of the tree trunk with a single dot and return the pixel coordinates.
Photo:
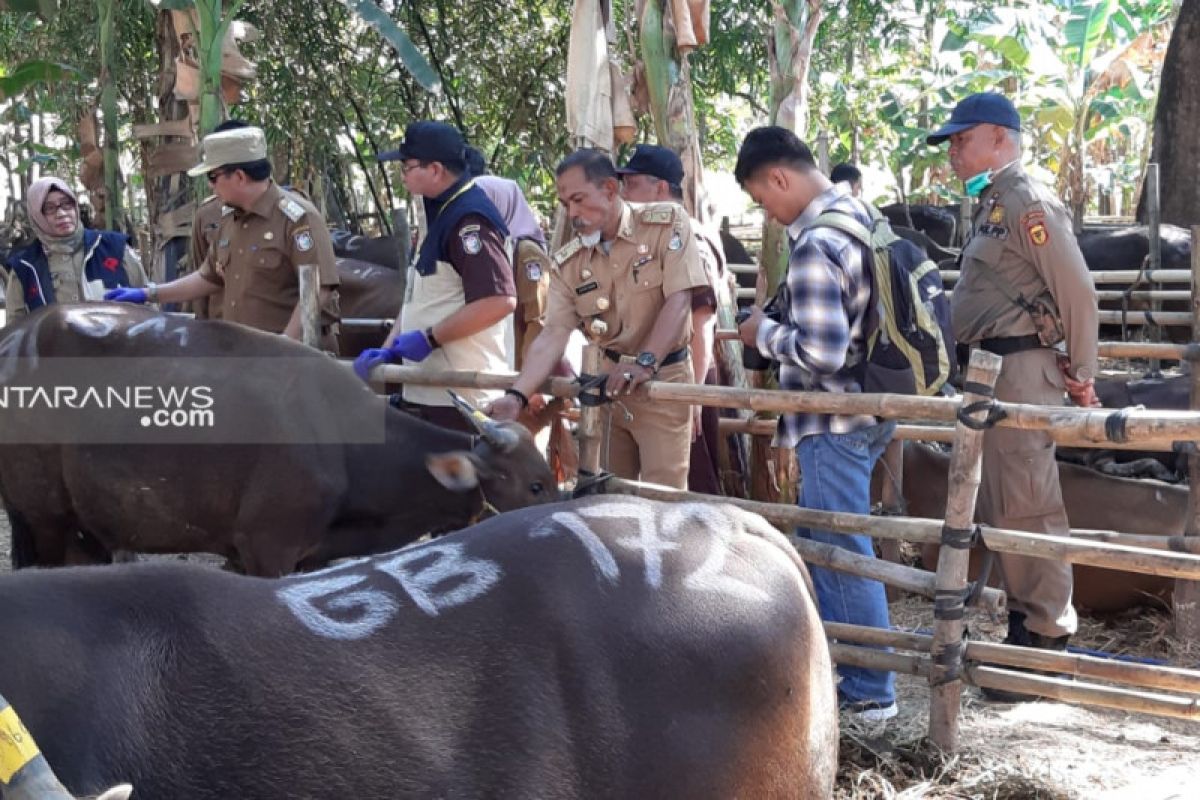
(1176, 148)
(110, 116)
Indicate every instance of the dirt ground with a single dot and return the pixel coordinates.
(1032, 751)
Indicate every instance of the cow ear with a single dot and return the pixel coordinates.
(456, 471)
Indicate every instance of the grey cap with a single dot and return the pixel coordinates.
(236, 146)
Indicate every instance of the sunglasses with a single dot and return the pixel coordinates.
(216, 174)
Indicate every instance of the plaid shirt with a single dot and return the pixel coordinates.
(826, 298)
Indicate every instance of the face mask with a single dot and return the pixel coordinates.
(977, 183)
(590, 239)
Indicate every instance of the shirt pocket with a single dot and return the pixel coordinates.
(647, 276)
(985, 249)
(268, 257)
(594, 303)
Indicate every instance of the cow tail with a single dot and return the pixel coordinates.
(24, 543)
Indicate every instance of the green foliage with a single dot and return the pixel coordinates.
(386, 27)
(28, 73)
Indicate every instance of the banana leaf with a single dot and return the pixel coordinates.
(386, 27)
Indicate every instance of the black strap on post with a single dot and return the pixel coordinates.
(593, 390)
(994, 414)
(971, 387)
(1114, 426)
(950, 659)
(960, 538)
(590, 483)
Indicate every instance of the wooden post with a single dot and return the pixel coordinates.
(1155, 253)
(590, 428)
(966, 464)
(1186, 599)
(310, 306)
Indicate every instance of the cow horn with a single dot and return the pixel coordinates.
(31, 778)
(488, 429)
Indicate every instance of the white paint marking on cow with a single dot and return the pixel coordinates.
(158, 326)
(709, 577)
(375, 607)
(647, 541)
(602, 560)
(93, 322)
(10, 350)
(421, 576)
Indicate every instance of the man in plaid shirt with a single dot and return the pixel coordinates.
(818, 337)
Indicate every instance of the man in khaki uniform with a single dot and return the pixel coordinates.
(655, 175)
(264, 237)
(626, 280)
(205, 224)
(1021, 254)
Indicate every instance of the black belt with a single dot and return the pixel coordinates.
(673, 357)
(1007, 345)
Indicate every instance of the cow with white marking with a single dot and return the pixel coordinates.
(600, 648)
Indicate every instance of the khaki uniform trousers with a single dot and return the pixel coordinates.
(654, 445)
(1020, 490)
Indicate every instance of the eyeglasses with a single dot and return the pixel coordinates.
(407, 168)
(216, 174)
(50, 211)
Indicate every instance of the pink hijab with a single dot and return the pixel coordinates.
(36, 197)
(510, 201)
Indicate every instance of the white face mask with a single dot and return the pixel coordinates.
(590, 239)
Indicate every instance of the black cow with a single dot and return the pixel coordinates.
(1125, 248)
(382, 250)
(605, 648)
(937, 254)
(367, 291)
(936, 222)
(299, 463)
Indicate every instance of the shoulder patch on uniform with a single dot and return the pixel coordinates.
(471, 242)
(676, 241)
(567, 250)
(303, 240)
(291, 209)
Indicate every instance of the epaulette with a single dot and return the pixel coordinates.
(658, 215)
(567, 250)
(291, 209)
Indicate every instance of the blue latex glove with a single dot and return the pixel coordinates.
(125, 295)
(411, 346)
(369, 359)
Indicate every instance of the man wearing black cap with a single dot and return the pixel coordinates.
(460, 290)
(655, 175)
(1025, 294)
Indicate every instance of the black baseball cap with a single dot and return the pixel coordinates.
(978, 109)
(660, 162)
(429, 141)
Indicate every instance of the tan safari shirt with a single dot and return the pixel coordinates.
(205, 225)
(257, 257)
(1023, 232)
(615, 298)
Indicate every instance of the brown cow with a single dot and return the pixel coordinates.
(367, 291)
(604, 648)
(296, 463)
(1093, 500)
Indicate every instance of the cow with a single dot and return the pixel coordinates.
(300, 462)
(606, 647)
(367, 291)
(1126, 247)
(382, 250)
(936, 253)
(937, 222)
(1092, 501)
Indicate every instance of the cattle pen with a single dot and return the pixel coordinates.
(946, 658)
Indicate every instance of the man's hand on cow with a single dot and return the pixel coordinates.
(624, 378)
(748, 329)
(411, 346)
(369, 359)
(124, 294)
(505, 408)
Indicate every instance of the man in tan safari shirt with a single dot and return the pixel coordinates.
(626, 280)
(265, 235)
(1021, 257)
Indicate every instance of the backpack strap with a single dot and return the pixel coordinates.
(841, 221)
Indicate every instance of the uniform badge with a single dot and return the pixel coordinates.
(533, 271)
(471, 243)
(997, 215)
(676, 241)
(1038, 234)
(587, 287)
(994, 231)
(304, 241)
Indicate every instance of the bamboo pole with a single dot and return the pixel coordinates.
(867, 658)
(1091, 694)
(1142, 676)
(1114, 276)
(966, 463)
(310, 306)
(1189, 352)
(590, 436)
(1186, 598)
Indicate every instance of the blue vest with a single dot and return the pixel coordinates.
(105, 262)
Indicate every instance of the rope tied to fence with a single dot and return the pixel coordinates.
(994, 412)
(960, 538)
(593, 390)
(590, 483)
(1114, 426)
(950, 661)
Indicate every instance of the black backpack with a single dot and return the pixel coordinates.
(910, 345)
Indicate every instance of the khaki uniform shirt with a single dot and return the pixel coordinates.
(205, 225)
(258, 255)
(531, 274)
(1024, 233)
(615, 298)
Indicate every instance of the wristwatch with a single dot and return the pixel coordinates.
(151, 292)
(648, 360)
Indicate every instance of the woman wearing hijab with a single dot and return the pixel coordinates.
(67, 263)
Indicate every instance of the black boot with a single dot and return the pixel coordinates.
(1019, 635)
